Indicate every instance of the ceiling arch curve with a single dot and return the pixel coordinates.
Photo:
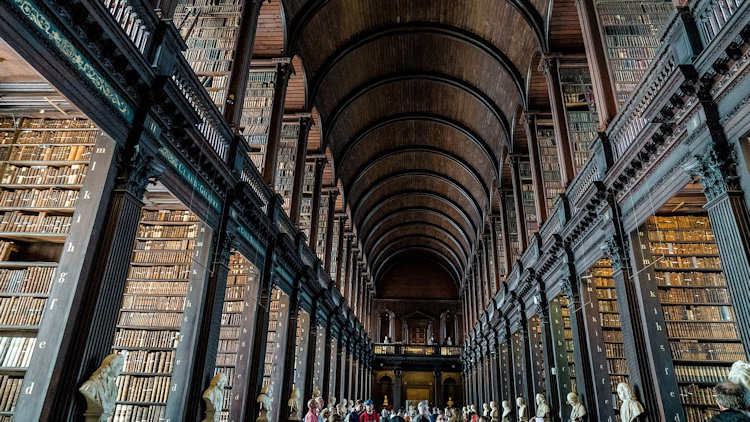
(424, 250)
(411, 216)
(437, 231)
(448, 80)
(403, 243)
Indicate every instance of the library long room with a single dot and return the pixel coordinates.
(375, 211)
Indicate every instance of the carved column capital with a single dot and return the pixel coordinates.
(138, 172)
(548, 65)
(616, 248)
(569, 288)
(717, 168)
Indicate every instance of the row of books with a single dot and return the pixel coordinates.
(15, 352)
(160, 245)
(10, 389)
(698, 313)
(148, 302)
(699, 223)
(693, 394)
(147, 389)
(226, 359)
(17, 221)
(228, 345)
(684, 248)
(151, 319)
(156, 287)
(44, 123)
(65, 175)
(26, 280)
(617, 366)
(138, 413)
(216, 43)
(160, 231)
(21, 311)
(695, 279)
(209, 55)
(667, 235)
(162, 257)
(233, 306)
(690, 262)
(702, 330)
(39, 198)
(48, 138)
(149, 361)
(169, 216)
(692, 350)
(48, 153)
(701, 374)
(695, 296)
(157, 272)
(149, 339)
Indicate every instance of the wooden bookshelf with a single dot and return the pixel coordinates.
(631, 34)
(696, 305)
(209, 28)
(241, 278)
(600, 284)
(320, 243)
(308, 185)
(527, 198)
(285, 164)
(332, 374)
(319, 364)
(569, 345)
(256, 113)
(580, 108)
(501, 264)
(334, 247)
(273, 338)
(151, 313)
(551, 179)
(43, 163)
(300, 362)
(510, 213)
(537, 355)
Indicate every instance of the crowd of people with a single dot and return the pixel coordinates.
(732, 397)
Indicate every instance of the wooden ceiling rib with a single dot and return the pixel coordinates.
(296, 91)
(269, 35)
(418, 99)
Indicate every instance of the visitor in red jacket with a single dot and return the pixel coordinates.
(369, 414)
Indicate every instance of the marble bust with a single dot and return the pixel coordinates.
(630, 408)
(507, 411)
(100, 390)
(542, 408)
(494, 414)
(578, 412)
(522, 410)
(214, 397)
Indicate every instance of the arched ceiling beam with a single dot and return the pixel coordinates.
(441, 78)
(433, 28)
(313, 7)
(430, 194)
(361, 171)
(421, 117)
(479, 210)
(437, 256)
(465, 245)
(424, 241)
(396, 229)
(427, 254)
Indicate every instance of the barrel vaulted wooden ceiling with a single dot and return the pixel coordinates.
(418, 100)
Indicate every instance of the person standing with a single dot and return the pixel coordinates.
(369, 414)
(312, 406)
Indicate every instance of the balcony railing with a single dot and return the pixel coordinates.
(416, 350)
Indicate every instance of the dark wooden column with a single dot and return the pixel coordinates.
(327, 354)
(397, 387)
(495, 251)
(584, 378)
(550, 65)
(312, 345)
(340, 252)
(347, 271)
(340, 345)
(596, 56)
(506, 233)
(437, 375)
(320, 163)
(87, 311)
(563, 383)
(332, 194)
(528, 366)
(243, 55)
(289, 347)
(493, 378)
(729, 216)
(540, 198)
(485, 268)
(283, 70)
(509, 366)
(515, 176)
(548, 351)
(346, 374)
(260, 335)
(211, 304)
(305, 122)
(634, 340)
